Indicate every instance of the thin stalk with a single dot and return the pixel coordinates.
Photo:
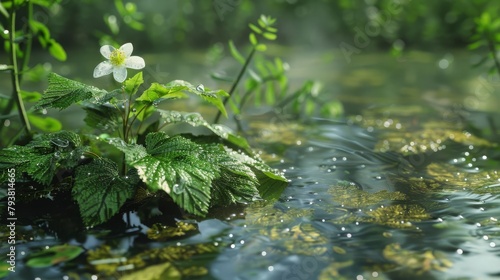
(235, 84)
(131, 123)
(26, 58)
(15, 73)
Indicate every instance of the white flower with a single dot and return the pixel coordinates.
(118, 61)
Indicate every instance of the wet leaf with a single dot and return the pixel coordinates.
(54, 255)
(63, 92)
(100, 191)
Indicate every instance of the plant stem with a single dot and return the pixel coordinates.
(15, 73)
(235, 84)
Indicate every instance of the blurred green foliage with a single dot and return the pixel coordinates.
(175, 23)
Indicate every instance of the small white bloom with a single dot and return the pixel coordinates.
(117, 62)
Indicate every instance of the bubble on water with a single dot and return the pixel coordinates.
(460, 251)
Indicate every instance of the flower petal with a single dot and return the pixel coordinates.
(106, 51)
(102, 69)
(135, 62)
(120, 74)
(127, 49)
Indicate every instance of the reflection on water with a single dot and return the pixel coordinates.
(403, 187)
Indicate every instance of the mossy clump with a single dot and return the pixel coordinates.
(455, 178)
(266, 214)
(415, 261)
(349, 196)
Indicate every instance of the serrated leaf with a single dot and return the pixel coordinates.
(213, 97)
(157, 91)
(131, 85)
(271, 183)
(103, 117)
(42, 156)
(174, 165)
(100, 191)
(63, 92)
(195, 119)
(235, 53)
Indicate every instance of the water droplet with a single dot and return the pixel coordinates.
(63, 143)
(200, 87)
(134, 110)
(178, 189)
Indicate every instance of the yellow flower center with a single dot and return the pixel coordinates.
(117, 57)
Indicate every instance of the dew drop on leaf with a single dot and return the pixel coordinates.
(178, 189)
(63, 143)
(200, 87)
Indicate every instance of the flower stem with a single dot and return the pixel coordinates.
(15, 75)
(235, 84)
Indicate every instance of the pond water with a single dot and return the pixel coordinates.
(406, 186)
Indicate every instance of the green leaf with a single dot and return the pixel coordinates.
(255, 28)
(63, 92)
(44, 155)
(261, 47)
(100, 191)
(103, 117)
(42, 30)
(132, 84)
(174, 165)
(31, 96)
(157, 91)
(253, 39)
(270, 36)
(47, 124)
(475, 45)
(271, 29)
(53, 256)
(235, 53)
(213, 97)
(271, 182)
(143, 110)
(332, 109)
(57, 51)
(271, 185)
(195, 119)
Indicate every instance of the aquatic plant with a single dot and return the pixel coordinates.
(196, 171)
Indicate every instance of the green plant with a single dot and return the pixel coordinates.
(197, 172)
(267, 82)
(487, 34)
(18, 33)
